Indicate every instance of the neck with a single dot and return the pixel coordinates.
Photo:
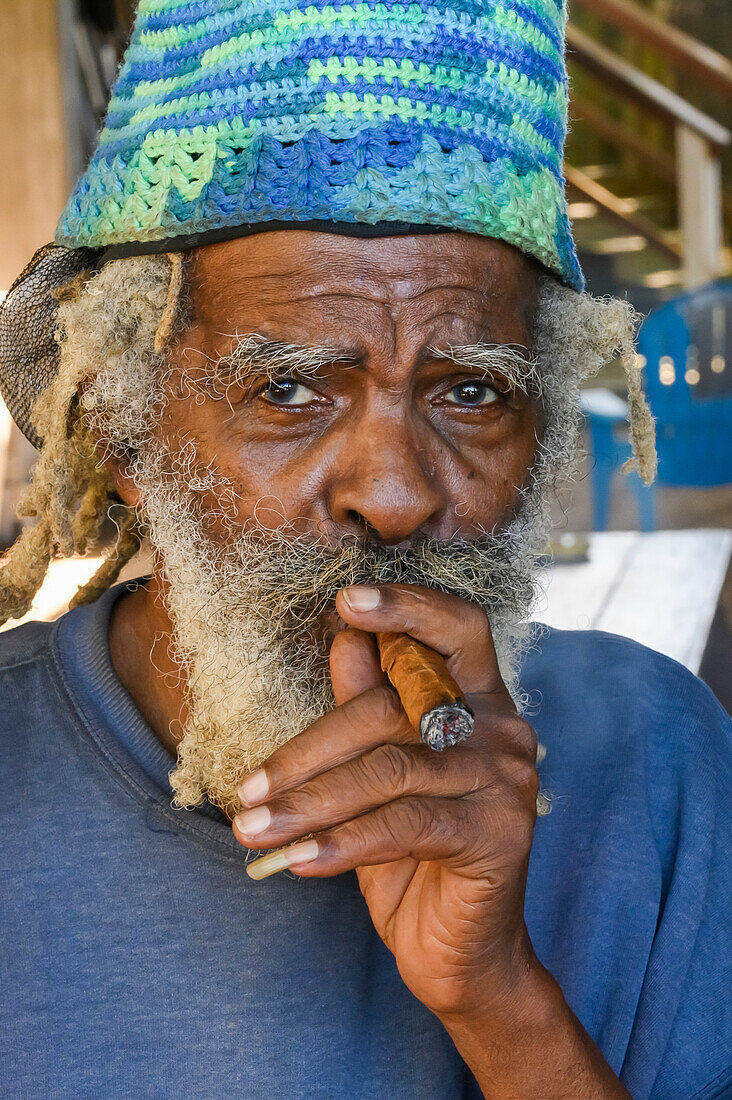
(139, 639)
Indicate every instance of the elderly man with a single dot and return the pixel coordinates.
(314, 326)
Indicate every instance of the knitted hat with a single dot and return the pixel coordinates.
(229, 115)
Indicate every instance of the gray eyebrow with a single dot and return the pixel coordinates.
(512, 361)
(272, 357)
(254, 355)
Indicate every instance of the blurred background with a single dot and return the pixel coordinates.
(649, 172)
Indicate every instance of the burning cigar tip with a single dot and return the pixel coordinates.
(446, 724)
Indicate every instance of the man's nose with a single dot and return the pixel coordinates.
(388, 485)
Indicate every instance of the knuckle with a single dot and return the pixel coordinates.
(377, 709)
(533, 785)
(387, 767)
(306, 802)
(411, 817)
(439, 766)
(476, 619)
(355, 839)
(520, 773)
(474, 624)
(460, 770)
(518, 736)
(385, 710)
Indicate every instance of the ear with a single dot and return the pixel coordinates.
(123, 483)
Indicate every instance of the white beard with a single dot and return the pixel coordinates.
(249, 618)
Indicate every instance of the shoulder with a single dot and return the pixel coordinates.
(638, 765)
(603, 699)
(27, 683)
(24, 644)
(598, 649)
(593, 667)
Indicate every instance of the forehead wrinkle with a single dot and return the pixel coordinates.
(305, 281)
(280, 266)
(377, 286)
(391, 290)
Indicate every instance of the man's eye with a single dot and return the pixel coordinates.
(287, 391)
(472, 394)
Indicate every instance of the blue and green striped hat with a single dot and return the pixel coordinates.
(230, 116)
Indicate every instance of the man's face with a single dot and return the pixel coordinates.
(387, 435)
(337, 411)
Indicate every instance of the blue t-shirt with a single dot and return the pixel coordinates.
(140, 961)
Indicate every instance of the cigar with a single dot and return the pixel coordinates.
(432, 700)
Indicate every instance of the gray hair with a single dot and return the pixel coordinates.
(114, 330)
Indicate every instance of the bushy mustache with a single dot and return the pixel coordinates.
(293, 581)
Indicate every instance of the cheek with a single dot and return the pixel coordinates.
(484, 480)
(523, 443)
(259, 479)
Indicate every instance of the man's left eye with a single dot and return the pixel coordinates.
(472, 394)
(287, 391)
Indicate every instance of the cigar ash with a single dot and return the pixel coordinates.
(446, 724)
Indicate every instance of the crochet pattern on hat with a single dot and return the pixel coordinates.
(239, 112)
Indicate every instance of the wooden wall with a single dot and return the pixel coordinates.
(33, 184)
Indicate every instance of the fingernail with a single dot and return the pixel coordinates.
(253, 821)
(254, 788)
(359, 598)
(270, 864)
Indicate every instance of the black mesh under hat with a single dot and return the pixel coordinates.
(29, 353)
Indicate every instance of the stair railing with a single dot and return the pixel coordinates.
(699, 139)
(687, 53)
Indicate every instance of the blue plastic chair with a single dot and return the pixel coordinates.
(687, 346)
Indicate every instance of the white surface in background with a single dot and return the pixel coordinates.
(603, 402)
(63, 579)
(660, 589)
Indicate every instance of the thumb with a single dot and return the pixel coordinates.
(354, 665)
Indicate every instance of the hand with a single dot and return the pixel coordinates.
(440, 841)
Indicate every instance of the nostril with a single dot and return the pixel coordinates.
(373, 535)
(388, 509)
(359, 521)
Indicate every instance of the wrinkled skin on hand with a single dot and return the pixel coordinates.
(440, 841)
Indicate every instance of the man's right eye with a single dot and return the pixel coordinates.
(287, 392)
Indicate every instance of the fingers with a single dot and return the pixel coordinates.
(354, 665)
(456, 629)
(500, 771)
(366, 721)
(425, 829)
(467, 833)
(411, 827)
(358, 779)
(385, 774)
